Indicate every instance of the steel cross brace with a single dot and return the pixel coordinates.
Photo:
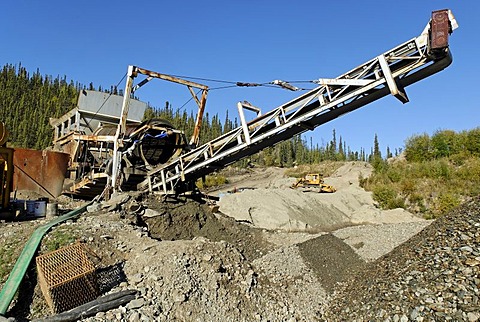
(385, 74)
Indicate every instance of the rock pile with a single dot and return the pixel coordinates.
(202, 279)
(204, 266)
(435, 276)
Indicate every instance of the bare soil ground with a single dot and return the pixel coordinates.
(270, 253)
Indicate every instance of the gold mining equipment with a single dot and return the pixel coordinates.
(6, 174)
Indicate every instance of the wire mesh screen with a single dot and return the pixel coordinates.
(67, 278)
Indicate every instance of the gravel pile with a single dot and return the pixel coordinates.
(366, 239)
(434, 276)
(290, 285)
(202, 279)
(189, 264)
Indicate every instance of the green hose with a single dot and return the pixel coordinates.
(28, 252)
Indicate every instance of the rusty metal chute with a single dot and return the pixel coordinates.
(43, 172)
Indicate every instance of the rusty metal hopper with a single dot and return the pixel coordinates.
(40, 171)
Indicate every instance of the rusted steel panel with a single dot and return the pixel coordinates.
(40, 171)
(440, 29)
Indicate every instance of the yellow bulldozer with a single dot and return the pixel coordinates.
(313, 181)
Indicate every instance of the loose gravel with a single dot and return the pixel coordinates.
(217, 269)
(434, 276)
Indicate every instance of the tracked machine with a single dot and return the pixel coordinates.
(313, 182)
(122, 153)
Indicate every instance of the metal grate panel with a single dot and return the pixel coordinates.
(67, 278)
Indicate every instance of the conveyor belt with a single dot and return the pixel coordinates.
(388, 73)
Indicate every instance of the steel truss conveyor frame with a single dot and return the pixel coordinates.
(388, 73)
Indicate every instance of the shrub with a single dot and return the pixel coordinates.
(445, 143)
(473, 141)
(459, 159)
(441, 170)
(408, 186)
(418, 148)
(446, 202)
(211, 181)
(394, 175)
(416, 199)
(379, 165)
(387, 197)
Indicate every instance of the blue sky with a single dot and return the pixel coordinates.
(251, 41)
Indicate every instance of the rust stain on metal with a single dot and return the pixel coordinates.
(40, 171)
(440, 29)
(168, 78)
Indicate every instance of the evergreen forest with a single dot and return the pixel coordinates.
(29, 100)
(433, 173)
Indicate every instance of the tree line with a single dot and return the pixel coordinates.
(27, 101)
(294, 151)
(443, 144)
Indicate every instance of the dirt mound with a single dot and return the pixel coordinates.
(276, 206)
(331, 260)
(185, 219)
(178, 220)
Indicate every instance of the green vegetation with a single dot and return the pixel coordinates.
(59, 237)
(214, 180)
(8, 255)
(14, 239)
(438, 173)
(24, 98)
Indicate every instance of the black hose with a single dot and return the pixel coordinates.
(101, 304)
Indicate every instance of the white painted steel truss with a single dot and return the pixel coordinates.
(385, 74)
